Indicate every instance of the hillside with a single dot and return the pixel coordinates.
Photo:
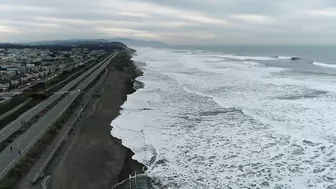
(137, 42)
(69, 44)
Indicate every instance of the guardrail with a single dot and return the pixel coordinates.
(45, 182)
(135, 181)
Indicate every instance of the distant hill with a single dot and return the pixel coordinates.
(138, 42)
(127, 41)
(69, 44)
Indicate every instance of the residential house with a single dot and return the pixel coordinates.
(35, 74)
(13, 68)
(9, 73)
(4, 75)
(3, 71)
(29, 76)
(33, 66)
(30, 65)
(15, 81)
(50, 68)
(22, 68)
(41, 73)
(62, 66)
(4, 84)
(23, 78)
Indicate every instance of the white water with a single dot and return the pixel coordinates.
(324, 65)
(235, 57)
(285, 57)
(205, 122)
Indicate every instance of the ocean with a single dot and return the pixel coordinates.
(234, 117)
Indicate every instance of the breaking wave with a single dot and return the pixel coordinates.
(324, 65)
(288, 58)
(256, 58)
(229, 124)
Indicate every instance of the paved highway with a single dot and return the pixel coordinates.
(8, 157)
(25, 117)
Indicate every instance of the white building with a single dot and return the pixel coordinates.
(30, 65)
(29, 76)
(35, 74)
(62, 66)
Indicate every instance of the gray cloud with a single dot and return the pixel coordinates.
(183, 21)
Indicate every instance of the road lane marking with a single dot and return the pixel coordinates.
(18, 145)
(9, 154)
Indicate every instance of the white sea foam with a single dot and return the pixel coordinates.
(235, 57)
(251, 58)
(286, 57)
(324, 65)
(219, 124)
(251, 63)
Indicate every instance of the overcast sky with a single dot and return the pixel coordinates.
(172, 21)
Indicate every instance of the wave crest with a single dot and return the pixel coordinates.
(288, 58)
(256, 58)
(324, 65)
(249, 58)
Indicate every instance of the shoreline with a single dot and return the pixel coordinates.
(94, 158)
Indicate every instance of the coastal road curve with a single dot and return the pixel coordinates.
(15, 125)
(21, 145)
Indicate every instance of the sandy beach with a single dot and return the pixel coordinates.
(93, 158)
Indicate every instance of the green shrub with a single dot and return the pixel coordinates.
(5, 121)
(12, 103)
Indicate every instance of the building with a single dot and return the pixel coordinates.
(14, 81)
(23, 78)
(30, 65)
(49, 68)
(13, 68)
(62, 66)
(41, 73)
(29, 76)
(7, 73)
(33, 66)
(35, 74)
(4, 85)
